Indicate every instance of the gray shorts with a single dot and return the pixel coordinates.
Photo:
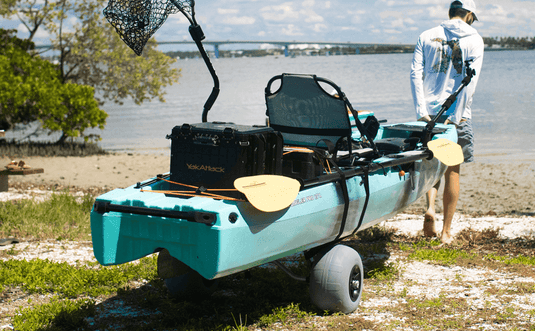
(465, 138)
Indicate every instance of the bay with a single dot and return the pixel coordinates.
(503, 107)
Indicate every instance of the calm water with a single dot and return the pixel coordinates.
(504, 104)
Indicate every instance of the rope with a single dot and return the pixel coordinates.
(298, 149)
(195, 193)
(195, 187)
(329, 171)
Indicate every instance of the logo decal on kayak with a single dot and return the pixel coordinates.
(205, 168)
(309, 198)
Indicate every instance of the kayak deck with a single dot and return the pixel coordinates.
(221, 237)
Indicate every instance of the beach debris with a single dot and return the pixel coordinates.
(20, 165)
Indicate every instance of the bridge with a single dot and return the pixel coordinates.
(285, 44)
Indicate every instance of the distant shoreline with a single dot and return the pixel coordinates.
(333, 51)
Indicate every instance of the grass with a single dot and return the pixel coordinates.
(86, 296)
(59, 314)
(447, 256)
(521, 259)
(63, 216)
(43, 276)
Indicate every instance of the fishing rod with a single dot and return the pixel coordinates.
(428, 130)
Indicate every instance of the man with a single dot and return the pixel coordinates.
(438, 67)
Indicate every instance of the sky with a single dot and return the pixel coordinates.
(377, 21)
(370, 21)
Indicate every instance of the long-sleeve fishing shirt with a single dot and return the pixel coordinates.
(438, 67)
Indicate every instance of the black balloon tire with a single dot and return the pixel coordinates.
(336, 279)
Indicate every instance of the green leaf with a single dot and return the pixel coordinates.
(93, 60)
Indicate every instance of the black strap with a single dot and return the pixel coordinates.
(359, 125)
(330, 146)
(365, 179)
(345, 193)
(333, 148)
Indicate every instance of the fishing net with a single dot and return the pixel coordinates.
(137, 20)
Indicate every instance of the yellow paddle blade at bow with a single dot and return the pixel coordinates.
(446, 151)
(268, 193)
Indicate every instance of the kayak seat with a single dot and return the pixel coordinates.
(305, 113)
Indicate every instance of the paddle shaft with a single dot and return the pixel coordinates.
(370, 167)
(447, 104)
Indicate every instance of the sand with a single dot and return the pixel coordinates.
(486, 188)
(105, 171)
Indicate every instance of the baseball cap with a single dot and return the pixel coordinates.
(469, 5)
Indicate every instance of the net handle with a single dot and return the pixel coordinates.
(191, 18)
(198, 36)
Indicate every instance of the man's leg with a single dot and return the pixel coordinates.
(429, 217)
(451, 196)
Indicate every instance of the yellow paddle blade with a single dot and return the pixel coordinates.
(446, 151)
(268, 193)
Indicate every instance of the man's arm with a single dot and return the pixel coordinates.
(417, 81)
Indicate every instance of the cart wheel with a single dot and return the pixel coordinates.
(336, 279)
(190, 285)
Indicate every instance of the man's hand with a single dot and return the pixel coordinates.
(426, 119)
(451, 122)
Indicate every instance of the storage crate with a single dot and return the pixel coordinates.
(213, 155)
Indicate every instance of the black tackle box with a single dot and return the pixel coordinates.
(214, 154)
(301, 163)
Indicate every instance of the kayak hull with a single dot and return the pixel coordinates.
(237, 236)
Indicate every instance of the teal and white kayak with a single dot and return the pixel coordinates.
(217, 237)
(202, 238)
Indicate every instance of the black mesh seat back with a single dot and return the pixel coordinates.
(305, 113)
